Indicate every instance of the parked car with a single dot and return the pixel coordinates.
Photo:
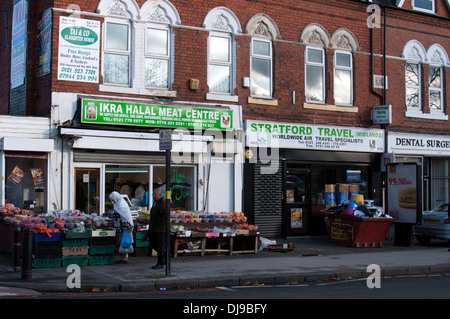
(435, 225)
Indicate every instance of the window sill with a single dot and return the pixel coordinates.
(137, 91)
(270, 102)
(222, 97)
(334, 108)
(428, 116)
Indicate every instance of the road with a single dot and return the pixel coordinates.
(429, 286)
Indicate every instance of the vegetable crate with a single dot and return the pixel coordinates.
(72, 234)
(75, 242)
(75, 250)
(102, 250)
(81, 260)
(140, 239)
(55, 236)
(47, 263)
(101, 260)
(47, 249)
(357, 232)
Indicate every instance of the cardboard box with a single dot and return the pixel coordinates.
(343, 193)
(330, 195)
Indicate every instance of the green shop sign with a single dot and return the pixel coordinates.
(136, 114)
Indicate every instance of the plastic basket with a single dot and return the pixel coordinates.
(82, 260)
(102, 241)
(141, 235)
(71, 234)
(142, 243)
(47, 263)
(75, 251)
(47, 250)
(101, 260)
(75, 242)
(45, 237)
(102, 250)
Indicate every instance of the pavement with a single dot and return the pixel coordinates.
(315, 258)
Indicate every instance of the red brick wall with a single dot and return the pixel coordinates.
(291, 17)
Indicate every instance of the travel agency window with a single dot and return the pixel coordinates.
(26, 180)
(222, 25)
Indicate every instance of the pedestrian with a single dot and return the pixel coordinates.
(158, 224)
(123, 222)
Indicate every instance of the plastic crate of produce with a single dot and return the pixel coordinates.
(75, 242)
(81, 260)
(101, 260)
(47, 263)
(141, 235)
(102, 250)
(142, 243)
(47, 249)
(75, 251)
(45, 237)
(71, 234)
(103, 241)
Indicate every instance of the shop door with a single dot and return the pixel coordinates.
(297, 202)
(87, 191)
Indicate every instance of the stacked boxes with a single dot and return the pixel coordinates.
(102, 247)
(46, 250)
(338, 194)
(75, 247)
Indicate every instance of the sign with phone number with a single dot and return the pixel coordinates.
(78, 54)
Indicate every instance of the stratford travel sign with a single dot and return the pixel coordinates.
(312, 136)
(139, 114)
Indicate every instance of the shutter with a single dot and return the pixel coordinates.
(268, 201)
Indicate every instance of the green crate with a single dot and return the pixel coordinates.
(101, 260)
(47, 263)
(141, 234)
(75, 242)
(81, 260)
(142, 243)
(102, 250)
(71, 234)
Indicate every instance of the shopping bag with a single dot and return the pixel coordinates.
(126, 246)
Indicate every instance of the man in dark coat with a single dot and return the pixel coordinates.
(158, 224)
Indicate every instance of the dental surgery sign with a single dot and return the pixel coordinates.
(311, 136)
(78, 52)
(128, 113)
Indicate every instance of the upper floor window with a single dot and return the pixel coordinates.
(343, 78)
(315, 74)
(261, 68)
(412, 80)
(157, 57)
(424, 5)
(435, 88)
(263, 30)
(222, 24)
(219, 64)
(116, 54)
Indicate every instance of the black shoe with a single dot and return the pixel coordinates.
(157, 266)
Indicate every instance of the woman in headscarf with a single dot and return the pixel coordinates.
(122, 219)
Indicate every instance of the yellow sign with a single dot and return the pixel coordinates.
(341, 231)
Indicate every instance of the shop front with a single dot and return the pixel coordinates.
(432, 153)
(113, 145)
(295, 171)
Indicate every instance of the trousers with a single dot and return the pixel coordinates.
(158, 243)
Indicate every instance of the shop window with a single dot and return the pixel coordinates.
(182, 185)
(157, 57)
(261, 68)
(116, 55)
(343, 78)
(315, 74)
(129, 181)
(26, 181)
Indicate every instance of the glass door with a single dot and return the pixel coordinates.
(297, 201)
(87, 190)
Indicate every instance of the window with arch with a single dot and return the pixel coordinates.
(222, 25)
(438, 58)
(415, 55)
(263, 31)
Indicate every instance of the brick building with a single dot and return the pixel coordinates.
(271, 100)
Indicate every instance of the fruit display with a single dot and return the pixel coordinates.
(180, 216)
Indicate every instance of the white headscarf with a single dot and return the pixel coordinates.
(121, 207)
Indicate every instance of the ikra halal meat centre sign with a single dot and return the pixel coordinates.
(310, 136)
(136, 114)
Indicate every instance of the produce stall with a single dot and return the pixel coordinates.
(208, 233)
(354, 225)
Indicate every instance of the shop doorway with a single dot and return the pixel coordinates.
(297, 201)
(87, 190)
